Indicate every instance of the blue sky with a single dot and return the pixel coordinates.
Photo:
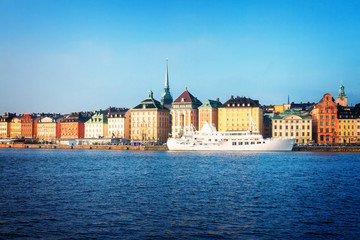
(66, 56)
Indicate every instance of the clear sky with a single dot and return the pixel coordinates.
(65, 56)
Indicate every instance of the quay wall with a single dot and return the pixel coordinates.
(326, 149)
(164, 148)
(85, 147)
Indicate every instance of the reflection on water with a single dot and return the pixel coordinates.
(60, 194)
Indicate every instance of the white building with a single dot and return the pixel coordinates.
(96, 126)
(118, 124)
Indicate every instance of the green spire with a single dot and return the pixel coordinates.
(341, 91)
(150, 94)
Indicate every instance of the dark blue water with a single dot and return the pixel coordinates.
(62, 194)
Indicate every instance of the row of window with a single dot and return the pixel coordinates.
(246, 143)
(349, 133)
(292, 127)
(303, 134)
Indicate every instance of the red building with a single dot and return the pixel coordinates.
(72, 126)
(28, 126)
(325, 121)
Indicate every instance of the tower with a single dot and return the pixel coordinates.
(341, 98)
(166, 98)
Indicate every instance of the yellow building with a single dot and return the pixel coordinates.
(150, 121)
(281, 108)
(48, 129)
(15, 127)
(347, 131)
(240, 114)
(292, 123)
(5, 124)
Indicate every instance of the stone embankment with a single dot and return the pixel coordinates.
(326, 149)
(85, 147)
(164, 148)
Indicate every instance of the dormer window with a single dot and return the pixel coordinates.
(183, 99)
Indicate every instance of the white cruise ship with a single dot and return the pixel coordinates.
(209, 139)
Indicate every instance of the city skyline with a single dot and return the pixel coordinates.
(66, 57)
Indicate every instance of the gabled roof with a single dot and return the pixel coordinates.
(211, 104)
(149, 103)
(187, 97)
(241, 102)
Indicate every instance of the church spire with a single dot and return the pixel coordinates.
(166, 98)
(341, 98)
(167, 76)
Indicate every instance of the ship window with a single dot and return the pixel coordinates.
(215, 140)
(246, 143)
(252, 142)
(263, 141)
(240, 143)
(258, 142)
(209, 140)
(234, 143)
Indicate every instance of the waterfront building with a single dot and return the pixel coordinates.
(267, 124)
(241, 114)
(166, 98)
(29, 126)
(347, 124)
(96, 126)
(150, 121)
(325, 122)
(5, 124)
(185, 113)
(341, 98)
(208, 112)
(72, 126)
(15, 127)
(119, 123)
(48, 128)
(292, 123)
(357, 116)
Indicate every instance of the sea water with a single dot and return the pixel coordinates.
(84, 194)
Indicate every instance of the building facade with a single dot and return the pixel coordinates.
(208, 112)
(357, 116)
(185, 114)
(48, 129)
(292, 123)
(15, 127)
(73, 125)
(347, 131)
(119, 124)
(150, 121)
(325, 122)
(241, 114)
(29, 126)
(96, 126)
(5, 125)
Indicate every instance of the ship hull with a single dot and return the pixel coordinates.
(268, 145)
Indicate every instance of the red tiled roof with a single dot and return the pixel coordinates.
(188, 98)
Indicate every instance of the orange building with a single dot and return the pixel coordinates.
(185, 113)
(29, 126)
(208, 112)
(325, 121)
(72, 126)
